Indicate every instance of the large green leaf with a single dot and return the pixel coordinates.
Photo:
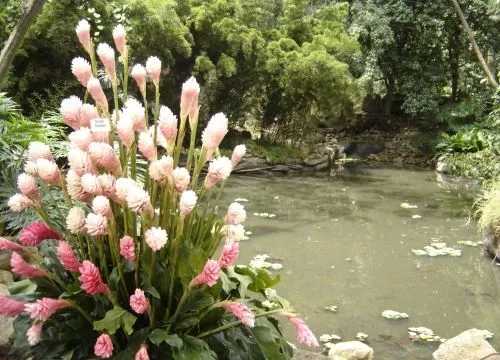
(244, 281)
(115, 319)
(158, 336)
(194, 349)
(23, 287)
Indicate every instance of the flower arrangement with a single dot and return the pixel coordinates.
(144, 267)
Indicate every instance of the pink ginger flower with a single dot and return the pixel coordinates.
(156, 238)
(38, 150)
(234, 232)
(153, 67)
(241, 311)
(138, 302)
(123, 186)
(91, 184)
(81, 69)
(74, 187)
(127, 248)
(70, 111)
(75, 221)
(80, 162)
(218, 170)
(139, 75)
(100, 136)
(88, 112)
(189, 100)
(10, 307)
(103, 346)
(160, 139)
(104, 156)
(136, 112)
(95, 90)
(21, 267)
(229, 254)
(187, 202)
(236, 214)
(44, 308)
(83, 33)
(81, 138)
(147, 146)
(48, 172)
(161, 170)
(120, 38)
(19, 202)
(91, 279)
(96, 224)
(167, 122)
(67, 257)
(209, 275)
(30, 168)
(101, 206)
(6, 244)
(28, 186)
(34, 333)
(107, 56)
(138, 200)
(142, 354)
(238, 153)
(214, 133)
(34, 233)
(125, 130)
(181, 179)
(304, 334)
(108, 183)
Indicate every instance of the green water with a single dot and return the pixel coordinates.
(344, 240)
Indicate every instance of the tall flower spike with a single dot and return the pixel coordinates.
(120, 38)
(104, 156)
(135, 111)
(91, 279)
(91, 184)
(123, 186)
(187, 202)
(100, 136)
(142, 354)
(6, 244)
(101, 206)
(81, 138)
(34, 233)
(88, 112)
(218, 170)
(83, 33)
(139, 75)
(96, 224)
(161, 170)
(34, 333)
(238, 153)
(236, 214)
(80, 162)
(138, 200)
(10, 307)
(48, 172)
(167, 122)
(70, 111)
(82, 70)
(95, 90)
(234, 232)
(304, 334)
(19, 202)
(67, 256)
(214, 133)
(229, 254)
(241, 311)
(181, 179)
(38, 150)
(44, 308)
(75, 221)
(153, 67)
(74, 186)
(127, 248)
(103, 346)
(189, 100)
(209, 275)
(160, 139)
(146, 146)
(21, 267)
(125, 130)
(108, 185)
(138, 302)
(156, 238)
(107, 56)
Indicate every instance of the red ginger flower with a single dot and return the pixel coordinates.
(229, 254)
(21, 267)
(304, 334)
(138, 302)
(35, 233)
(44, 308)
(127, 248)
(91, 279)
(9, 245)
(10, 307)
(67, 257)
(103, 346)
(209, 276)
(241, 311)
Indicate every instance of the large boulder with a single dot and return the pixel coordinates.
(351, 350)
(442, 167)
(469, 345)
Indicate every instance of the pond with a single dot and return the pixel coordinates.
(345, 240)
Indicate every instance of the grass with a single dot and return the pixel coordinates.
(273, 153)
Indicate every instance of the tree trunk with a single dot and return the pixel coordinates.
(30, 12)
(470, 34)
(454, 57)
(389, 98)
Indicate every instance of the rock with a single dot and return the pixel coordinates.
(351, 350)
(322, 166)
(314, 161)
(4, 260)
(280, 168)
(6, 277)
(6, 323)
(307, 355)
(469, 345)
(491, 243)
(443, 167)
(392, 315)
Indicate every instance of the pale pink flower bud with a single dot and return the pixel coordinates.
(21, 267)
(108, 182)
(139, 75)
(229, 254)
(38, 150)
(74, 187)
(238, 153)
(34, 333)
(90, 279)
(67, 256)
(127, 248)
(138, 200)
(241, 311)
(125, 129)
(103, 346)
(156, 238)
(83, 33)
(189, 100)
(167, 122)
(19, 202)
(236, 214)
(10, 307)
(75, 221)
(34, 233)
(123, 186)
(181, 179)
(234, 232)
(209, 276)
(44, 308)
(28, 186)
(214, 133)
(218, 170)
(80, 162)
(304, 334)
(103, 155)
(95, 90)
(70, 110)
(9, 245)
(30, 168)
(161, 170)
(101, 206)
(81, 69)
(142, 354)
(107, 56)
(187, 202)
(136, 112)
(91, 184)
(48, 172)
(120, 38)
(153, 67)
(138, 302)
(146, 146)
(88, 112)
(81, 138)
(160, 139)
(96, 224)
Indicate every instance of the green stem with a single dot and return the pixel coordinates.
(85, 314)
(194, 128)
(125, 73)
(180, 138)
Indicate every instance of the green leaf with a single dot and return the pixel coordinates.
(115, 319)
(68, 355)
(244, 280)
(152, 291)
(158, 336)
(194, 349)
(227, 284)
(23, 287)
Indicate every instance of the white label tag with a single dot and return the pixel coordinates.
(99, 124)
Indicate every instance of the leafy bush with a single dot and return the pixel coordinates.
(466, 141)
(489, 209)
